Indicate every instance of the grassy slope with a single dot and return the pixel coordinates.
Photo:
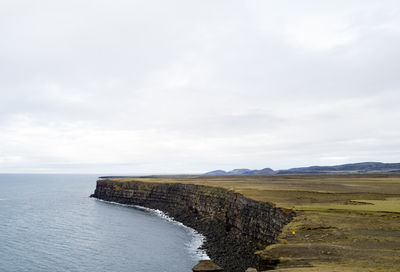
(343, 223)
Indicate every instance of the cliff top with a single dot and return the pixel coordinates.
(293, 191)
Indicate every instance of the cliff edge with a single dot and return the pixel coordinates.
(234, 226)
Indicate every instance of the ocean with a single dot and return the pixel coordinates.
(49, 223)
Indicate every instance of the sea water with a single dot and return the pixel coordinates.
(49, 223)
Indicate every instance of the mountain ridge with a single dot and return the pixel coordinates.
(350, 168)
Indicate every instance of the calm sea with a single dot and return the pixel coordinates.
(49, 223)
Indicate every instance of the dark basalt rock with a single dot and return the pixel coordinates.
(234, 226)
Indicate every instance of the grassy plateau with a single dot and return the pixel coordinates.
(343, 222)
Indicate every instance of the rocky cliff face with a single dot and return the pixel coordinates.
(234, 226)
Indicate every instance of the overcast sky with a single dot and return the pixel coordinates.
(135, 87)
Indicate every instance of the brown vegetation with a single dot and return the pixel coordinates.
(343, 222)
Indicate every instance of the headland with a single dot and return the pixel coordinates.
(291, 222)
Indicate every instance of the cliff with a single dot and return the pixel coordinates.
(234, 226)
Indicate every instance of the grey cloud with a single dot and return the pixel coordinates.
(189, 85)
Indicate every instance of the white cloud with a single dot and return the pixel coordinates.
(320, 33)
(184, 86)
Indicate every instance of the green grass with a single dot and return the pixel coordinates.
(388, 205)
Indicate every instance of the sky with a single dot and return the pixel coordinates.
(163, 87)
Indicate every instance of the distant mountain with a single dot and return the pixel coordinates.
(216, 173)
(353, 168)
(240, 172)
(265, 171)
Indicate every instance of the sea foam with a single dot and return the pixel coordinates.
(198, 239)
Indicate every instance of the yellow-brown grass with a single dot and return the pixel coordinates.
(343, 222)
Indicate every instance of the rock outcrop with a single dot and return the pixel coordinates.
(207, 265)
(234, 226)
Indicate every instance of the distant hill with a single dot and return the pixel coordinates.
(353, 168)
(216, 173)
(265, 171)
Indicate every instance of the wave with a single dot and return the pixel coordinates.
(198, 239)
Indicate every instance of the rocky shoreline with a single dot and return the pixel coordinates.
(234, 226)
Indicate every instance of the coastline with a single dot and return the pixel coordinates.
(235, 227)
(198, 239)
